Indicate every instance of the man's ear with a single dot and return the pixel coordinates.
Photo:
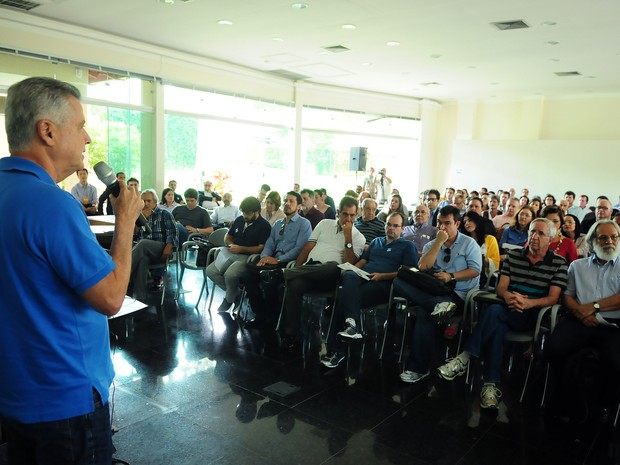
(46, 130)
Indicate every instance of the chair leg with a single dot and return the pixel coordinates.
(544, 394)
(527, 378)
(402, 342)
(211, 300)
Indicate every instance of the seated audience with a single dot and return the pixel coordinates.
(247, 235)
(332, 242)
(288, 236)
(592, 301)
(504, 220)
(319, 202)
(493, 210)
(530, 279)
(420, 232)
(192, 218)
(177, 197)
(224, 215)
(262, 194)
(549, 200)
(167, 200)
(431, 199)
(535, 205)
(134, 184)
(208, 198)
(582, 209)
(453, 257)
(560, 244)
(381, 261)
(105, 196)
(572, 229)
(393, 205)
(85, 193)
(517, 233)
(328, 200)
(524, 200)
(271, 211)
(475, 205)
(152, 248)
(603, 211)
(475, 228)
(368, 224)
(308, 210)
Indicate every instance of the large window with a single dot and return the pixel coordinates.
(328, 136)
(236, 142)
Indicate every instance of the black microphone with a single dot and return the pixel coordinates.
(106, 175)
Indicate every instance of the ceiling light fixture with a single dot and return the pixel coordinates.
(299, 6)
(393, 43)
(224, 22)
(277, 39)
(349, 27)
(549, 23)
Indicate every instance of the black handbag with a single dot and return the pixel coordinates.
(425, 281)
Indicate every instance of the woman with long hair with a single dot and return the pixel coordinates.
(516, 234)
(271, 211)
(167, 200)
(572, 230)
(393, 205)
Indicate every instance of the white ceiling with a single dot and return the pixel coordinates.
(448, 42)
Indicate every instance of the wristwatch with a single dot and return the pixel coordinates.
(452, 278)
(597, 307)
(349, 245)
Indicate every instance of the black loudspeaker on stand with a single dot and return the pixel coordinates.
(357, 160)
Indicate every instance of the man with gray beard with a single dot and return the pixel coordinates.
(592, 300)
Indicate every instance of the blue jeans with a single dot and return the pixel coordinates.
(487, 339)
(423, 343)
(83, 440)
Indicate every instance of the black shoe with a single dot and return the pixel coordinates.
(272, 276)
(224, 306)
(287, 341)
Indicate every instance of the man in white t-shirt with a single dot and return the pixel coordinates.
(332, 242)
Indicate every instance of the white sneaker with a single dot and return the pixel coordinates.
(412, 377)
(443, 311)
(452, 369)
(350, 330)
(489, 396)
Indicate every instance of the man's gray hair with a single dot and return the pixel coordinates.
(552, 229)
(32, 100)
(150, 191)
(592, 233)
(369, 199)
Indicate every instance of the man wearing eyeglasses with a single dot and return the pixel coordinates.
(452, 257)
(381, 262)
(531, 278)
(603, 211)
(331, 243)
(592, 300)
(420, 232)
(432, 202)
(288, 236)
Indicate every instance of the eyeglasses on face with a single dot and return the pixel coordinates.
(605, 237)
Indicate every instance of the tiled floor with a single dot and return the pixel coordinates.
(195, 389)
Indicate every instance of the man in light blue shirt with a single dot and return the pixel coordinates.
(288, 236)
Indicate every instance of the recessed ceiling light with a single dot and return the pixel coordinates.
(349, 27)
(367, 63)
(393, 43)
(299, 6)
(167, 2)
(552, 42)
(277, 39)
(549, 23)
(224, 22)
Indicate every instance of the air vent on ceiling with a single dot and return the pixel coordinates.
(19, 4)
(509, 25)
(337, 49)
(567, 73)
(289, 74)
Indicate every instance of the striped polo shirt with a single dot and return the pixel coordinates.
(534, 280)
(370, 229)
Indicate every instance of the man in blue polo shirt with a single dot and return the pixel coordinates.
(381, 261)
(59, 288)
